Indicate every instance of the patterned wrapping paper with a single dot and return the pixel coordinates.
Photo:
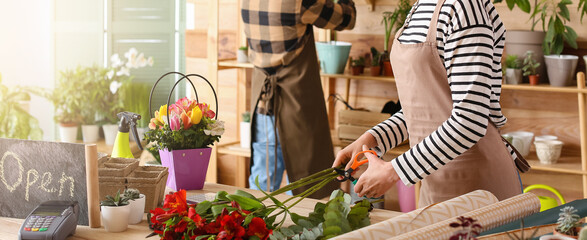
(423, 217)
(489, 217)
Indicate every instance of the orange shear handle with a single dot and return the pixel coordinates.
(357, 163)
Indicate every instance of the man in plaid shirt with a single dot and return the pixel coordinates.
(290, 122)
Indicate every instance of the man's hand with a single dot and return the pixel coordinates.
(379, 177)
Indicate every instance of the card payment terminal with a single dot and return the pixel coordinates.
(51, 220)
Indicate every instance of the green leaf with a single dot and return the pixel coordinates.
(296, 218)
(217, 209)
(524, 5)
(582, 9)
(305, 223)
(287, 232)
(308, 235)
(332, 231)
(248, 219)
(245, 194)
(221, 196)
(511, 4)
(559, 27)
(571, 37)
(296, 228)
(557, 45)
(564, 11)
(246, 203)
(203, 207)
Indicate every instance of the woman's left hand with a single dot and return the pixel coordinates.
(379, 177)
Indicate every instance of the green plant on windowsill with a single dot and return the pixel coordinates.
(16, 122)
(553, 15)
(530, 64)
(359, 62)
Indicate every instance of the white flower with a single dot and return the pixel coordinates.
(217, 128)
(123, 71)
(131, 54)
(110, 74)
(150, 61)
(141, 61)
(114, 86)
(115, 60)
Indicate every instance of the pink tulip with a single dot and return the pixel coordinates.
(175, 123)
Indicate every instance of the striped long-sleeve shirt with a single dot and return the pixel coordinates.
(470, 37)
(278, 30)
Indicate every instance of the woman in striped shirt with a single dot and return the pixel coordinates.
(449, 84)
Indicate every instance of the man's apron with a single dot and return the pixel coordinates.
(298, 103)
(425, 95)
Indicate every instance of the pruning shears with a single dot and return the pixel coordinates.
(347, 175)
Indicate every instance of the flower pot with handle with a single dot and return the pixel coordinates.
(546, 202)
(90, 133)
(115, 218)
(333, 56)
(137, 208)
(68, 132)
(187, 168)
(561, 69)
(187, 164)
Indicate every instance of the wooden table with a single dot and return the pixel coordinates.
(9, 226)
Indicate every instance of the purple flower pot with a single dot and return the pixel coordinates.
(187, 168)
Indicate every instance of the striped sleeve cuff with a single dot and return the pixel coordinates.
(402, 174)
(380, 148)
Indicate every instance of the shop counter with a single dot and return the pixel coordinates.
(9, 226)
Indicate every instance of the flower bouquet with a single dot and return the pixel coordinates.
(182, 133)
(244, 216)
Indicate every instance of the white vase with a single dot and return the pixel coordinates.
(115, 219)
(68, 133)
(245, 134)
(513, 76)
(561, 69)
(90, 133)
(110, 131)
(241, 56)
(137, 208)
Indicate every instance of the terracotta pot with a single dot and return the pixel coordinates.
(556, 233)
(356, 70)
(375, 70)
(387, 69)
(534, 79)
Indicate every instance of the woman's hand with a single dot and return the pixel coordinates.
(379, 177)
(351, 150)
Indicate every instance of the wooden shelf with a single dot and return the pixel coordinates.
(362, 77)
(544, 88)
(226, 64)
(234, 149)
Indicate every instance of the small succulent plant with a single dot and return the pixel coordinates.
(568, 220)
(132, 193)
(115, 201)
(246, 117)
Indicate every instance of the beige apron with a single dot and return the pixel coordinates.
(425, 95)
(297, 100)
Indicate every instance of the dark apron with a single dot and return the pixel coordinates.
(297, 100)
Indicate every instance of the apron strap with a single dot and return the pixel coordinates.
(431, 37)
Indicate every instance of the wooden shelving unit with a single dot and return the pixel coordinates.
(566, 165)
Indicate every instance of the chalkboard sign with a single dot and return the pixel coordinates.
(32, 172)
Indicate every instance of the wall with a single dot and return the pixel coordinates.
(26, 52)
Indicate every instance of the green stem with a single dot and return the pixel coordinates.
(299, 183)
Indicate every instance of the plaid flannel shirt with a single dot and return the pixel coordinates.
(277, 30)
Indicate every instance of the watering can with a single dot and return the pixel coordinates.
(546, 202)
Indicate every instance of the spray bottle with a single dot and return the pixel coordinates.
(128, 120)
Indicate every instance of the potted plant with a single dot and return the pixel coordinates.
(88, 82)
(530, 68)
(183, 133)
(513, 71)
(333, 56)
(242, 55)
(375, 62)
(115, 211)
(16, 122)
(553, 15)
(114, 77)
(136, 202)
(245, 130)
(568, 223)
(357, 66)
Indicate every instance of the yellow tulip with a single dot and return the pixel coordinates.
(162, 113)
(196, 115)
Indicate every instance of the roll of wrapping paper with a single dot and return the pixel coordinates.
(423, 217)
(488, 217)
